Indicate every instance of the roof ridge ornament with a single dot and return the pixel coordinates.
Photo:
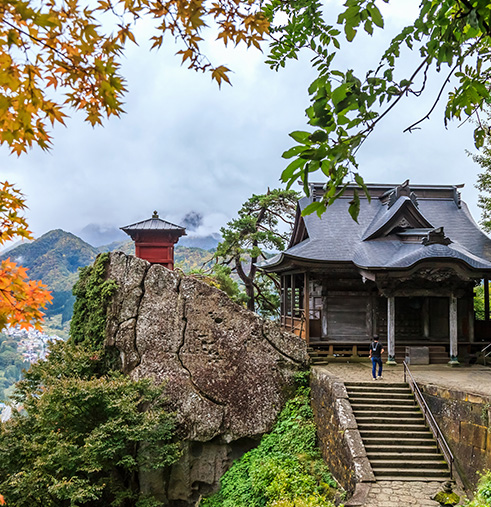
(436, 237)
(403, 190)
(155, 214)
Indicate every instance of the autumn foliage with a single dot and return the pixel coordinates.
(21, 299)
(57, 54)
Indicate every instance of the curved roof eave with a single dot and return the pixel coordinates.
(423, 260)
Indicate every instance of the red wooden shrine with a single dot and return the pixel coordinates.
(155, 239)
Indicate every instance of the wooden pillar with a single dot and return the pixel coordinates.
(470, 313)
(292, 300)
(369, 316)
(376, 316)
(453, 330)
(324, 322)
(391, 329)
(486, 299)
(306, 306)
(426, 317)
(283, 300)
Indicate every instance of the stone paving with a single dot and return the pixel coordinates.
(402, 494)
(475, 379)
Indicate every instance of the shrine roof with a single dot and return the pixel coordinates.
(155, 223)
(392, 230)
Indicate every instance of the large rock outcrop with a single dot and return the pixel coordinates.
(227, 371)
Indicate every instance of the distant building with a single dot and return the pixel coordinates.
(406, 271)
(155, 239)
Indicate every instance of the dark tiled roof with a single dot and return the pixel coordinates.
(155, 223)
(336, 237)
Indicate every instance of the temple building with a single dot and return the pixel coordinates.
(405, 271)
(155, 239)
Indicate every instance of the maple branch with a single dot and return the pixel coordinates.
(39, 41)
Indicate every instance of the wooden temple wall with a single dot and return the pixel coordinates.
(351, 311)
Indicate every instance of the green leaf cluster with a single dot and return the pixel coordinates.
(482, 496)
(93, 293)
(12, 365)
(484, 184)
(450, 36)
(285, 470)
(479, 302)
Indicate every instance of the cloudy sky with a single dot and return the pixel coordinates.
(184, 145)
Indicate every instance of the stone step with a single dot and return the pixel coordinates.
(379, 384)
(388, 419)
(373, 395)
(384, 442)
(396, 434)
(416, 478)
(382, 408)
(405, 456)
(393, 414)
(372, 389)
(425, 447)
(381, 400)
(402, 474)
(433, 465)
(392, 425)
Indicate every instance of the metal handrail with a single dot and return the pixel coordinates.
(430, 420)
(485, 355)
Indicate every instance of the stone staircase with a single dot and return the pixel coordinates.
(398, 444)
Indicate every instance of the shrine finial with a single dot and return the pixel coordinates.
(155, 215)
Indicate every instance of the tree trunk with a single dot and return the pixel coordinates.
(248, 283)
(249, 288)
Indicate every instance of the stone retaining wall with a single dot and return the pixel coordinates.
(337, 431)
(465, 421)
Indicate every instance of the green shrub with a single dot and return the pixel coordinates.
(285, 470)
(482, 497)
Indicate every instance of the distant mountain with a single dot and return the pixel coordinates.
(56, 257)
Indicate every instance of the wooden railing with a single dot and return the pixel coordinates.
(429, 419)
(294, 324)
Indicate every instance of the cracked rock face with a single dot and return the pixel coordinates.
(228, 372)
